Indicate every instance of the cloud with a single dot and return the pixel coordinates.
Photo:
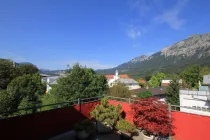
(11, 55)
(141, 6)
(172, 16)
(133, 32)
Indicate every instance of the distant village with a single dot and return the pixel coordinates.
(191, 101)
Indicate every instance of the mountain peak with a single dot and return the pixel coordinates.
(193, 45)
(139, 59)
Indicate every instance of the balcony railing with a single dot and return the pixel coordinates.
(35, 109)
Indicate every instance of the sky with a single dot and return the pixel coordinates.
(95, 33)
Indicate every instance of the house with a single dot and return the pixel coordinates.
(142, 81)
(130, 83)
(157, 92)
(120, 76)
(165, 82)
(196, 102)
(124, 79)
(50, 80)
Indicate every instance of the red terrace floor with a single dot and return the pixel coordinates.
(191, 127)
(188, 126)
(50, 123)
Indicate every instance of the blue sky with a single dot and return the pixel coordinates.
(96, 33)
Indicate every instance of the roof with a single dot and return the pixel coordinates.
(142, 81)
(53, 80)
(44, 75)
(109, 76)
(166, 79)
(121, 76)
(126, 81)
(155, 91)
(124, 76)
(165, 84)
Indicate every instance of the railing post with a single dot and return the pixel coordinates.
(169, 110)
(79, 103)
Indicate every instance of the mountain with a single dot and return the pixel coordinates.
(172, 59)
(51, 72)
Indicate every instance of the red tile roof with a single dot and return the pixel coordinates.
(164, 84)
(121, 76)
(142, 81)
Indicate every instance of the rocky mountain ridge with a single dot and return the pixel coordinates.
(171, 59)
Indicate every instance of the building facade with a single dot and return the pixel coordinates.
(196, 102)
(124, 79)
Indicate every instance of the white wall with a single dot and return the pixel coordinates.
(166, 81)
(197, 99)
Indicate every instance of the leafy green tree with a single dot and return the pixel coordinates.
(172, 92)
(173, 76)
(145, 94)
(7, 102)
(155, 80)
(26, 89)
(7, 72)
(148, 77)
(204, 71)
(81, 82)
(27, 69)
(48, 99)
(142, 85)
(120, 90)
(191, 75)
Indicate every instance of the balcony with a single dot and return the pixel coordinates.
(46, 124)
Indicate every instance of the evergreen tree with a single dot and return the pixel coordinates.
(172, 92)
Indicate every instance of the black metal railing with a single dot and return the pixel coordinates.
(35, 109)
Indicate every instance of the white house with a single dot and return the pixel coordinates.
(196, 102)
(50, 80)
(129, 82)
(165, 82)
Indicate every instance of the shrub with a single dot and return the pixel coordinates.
(86, 125)
(145, 94)
(125, 126)
(106, 114)
(152, 115)
(120, 90)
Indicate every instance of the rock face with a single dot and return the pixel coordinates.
(195, 45)
(139, 59)
(172, 59)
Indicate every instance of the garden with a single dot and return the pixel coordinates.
(151, 120)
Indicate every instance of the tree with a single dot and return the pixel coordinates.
(7, 102)
(204, 71)
(152, 115)
(172, 92)
(27, 69)
(26, 89)
(145, 94)
(155, 80)
(191, 75)
(148, 77)
(107, 114)
(48, 99)
(173, 76)
(81, 82)
(120, 90)
(7, 73)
